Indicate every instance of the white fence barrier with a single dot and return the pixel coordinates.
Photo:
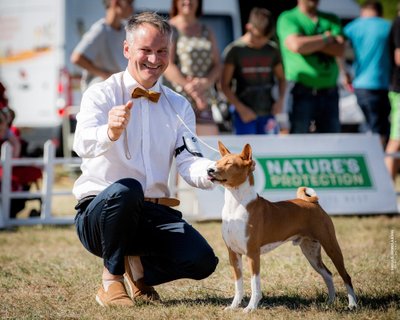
(46, 193)
(189, 206)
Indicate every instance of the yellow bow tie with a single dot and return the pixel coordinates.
(151, 95)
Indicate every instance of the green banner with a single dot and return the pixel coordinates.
(338, 171)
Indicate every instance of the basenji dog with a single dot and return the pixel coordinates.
(252, 225)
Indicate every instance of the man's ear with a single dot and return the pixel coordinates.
(126, 49)
(222, 149)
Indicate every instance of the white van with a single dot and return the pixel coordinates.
(36, 40)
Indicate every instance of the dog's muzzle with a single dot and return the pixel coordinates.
(212, 175)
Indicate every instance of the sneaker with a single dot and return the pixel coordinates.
(115, 296)
(138, 289)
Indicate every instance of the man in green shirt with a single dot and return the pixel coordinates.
(310, 41)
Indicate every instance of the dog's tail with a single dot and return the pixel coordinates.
(307, 194)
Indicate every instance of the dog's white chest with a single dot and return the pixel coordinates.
(234, 228)
(235, 217)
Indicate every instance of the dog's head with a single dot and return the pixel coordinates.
(232, 169)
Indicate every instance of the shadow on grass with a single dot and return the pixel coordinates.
(296, 302)
(379, 302)
(289, 302)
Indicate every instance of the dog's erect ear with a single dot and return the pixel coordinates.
(222, 149)
(246, 152)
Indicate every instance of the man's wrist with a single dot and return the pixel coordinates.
(110, 135)
(325, 38)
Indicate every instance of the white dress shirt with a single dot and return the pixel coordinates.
(146, 151)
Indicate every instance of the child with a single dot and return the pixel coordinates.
(252, 63)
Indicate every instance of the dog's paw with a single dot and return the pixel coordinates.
(229, 308)
(352, 306)
(249, 309)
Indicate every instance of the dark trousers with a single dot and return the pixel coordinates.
(118, 222)
(307, 104)
(376, 108)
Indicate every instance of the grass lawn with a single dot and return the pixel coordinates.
(45, 273)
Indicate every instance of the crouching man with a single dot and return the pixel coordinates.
(129, 128)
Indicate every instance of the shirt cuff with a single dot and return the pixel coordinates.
(102, 135)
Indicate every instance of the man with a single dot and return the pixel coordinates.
(99, 52)
(127, 146)
(393, 144)
(310, 41)
(369, 36)
(253, 62)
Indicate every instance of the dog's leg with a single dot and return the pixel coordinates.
(256, 293)
(235, 260)
(332, 249)
(312, 251)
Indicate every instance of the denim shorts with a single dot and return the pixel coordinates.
(257, 126)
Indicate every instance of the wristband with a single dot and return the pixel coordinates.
(325, 38)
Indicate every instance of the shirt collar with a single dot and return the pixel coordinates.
(130, 83)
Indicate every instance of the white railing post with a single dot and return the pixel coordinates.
(6, 158)
(48, 179)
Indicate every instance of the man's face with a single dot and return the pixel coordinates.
(310, 5)
(187, 7)
(125, 8)
(148, 54)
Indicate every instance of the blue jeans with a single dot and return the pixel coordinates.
(118, 222)
(375, 105)
(306, 105)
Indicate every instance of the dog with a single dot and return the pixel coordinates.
(252, 225)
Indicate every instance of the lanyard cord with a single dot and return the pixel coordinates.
(127, 152)
(183, 122)
(126, 144)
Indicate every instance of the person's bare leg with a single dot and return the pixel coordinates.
(392, 163)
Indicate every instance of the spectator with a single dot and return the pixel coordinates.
(99, 52)
(394, 94)
(250, 65)
(368, 36)
(127, 147)
(3, 96)
(310, 41)
(7, 135)
(22, 177)
(195, 65)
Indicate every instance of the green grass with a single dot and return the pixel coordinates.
(45, 273)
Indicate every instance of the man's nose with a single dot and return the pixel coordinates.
(152, 57)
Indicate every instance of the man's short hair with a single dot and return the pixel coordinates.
(374, 5)
(262, 20)
(151, 18)
(106, 3)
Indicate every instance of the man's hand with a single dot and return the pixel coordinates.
(118, 119)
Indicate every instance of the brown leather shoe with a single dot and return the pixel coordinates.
(115, 296)
(138, 289)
